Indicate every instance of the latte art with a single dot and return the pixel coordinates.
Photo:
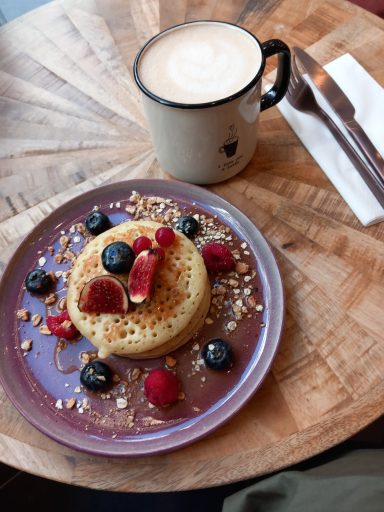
(200, 63)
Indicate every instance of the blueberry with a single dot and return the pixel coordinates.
(187, 225)
(96, 376)
(217, 354)
(118, 257)
(97, 222)
(38, 281)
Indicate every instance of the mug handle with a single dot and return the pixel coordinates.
(277, 92)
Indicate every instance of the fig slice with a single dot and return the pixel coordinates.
(141, 278)
(104, 294)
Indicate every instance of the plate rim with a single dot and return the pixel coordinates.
(123, 448)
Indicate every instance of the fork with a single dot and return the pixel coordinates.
(302, 98)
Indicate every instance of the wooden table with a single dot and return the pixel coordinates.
(71, 120)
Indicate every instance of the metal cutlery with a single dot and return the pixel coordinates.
(301, 97)
(343, 108)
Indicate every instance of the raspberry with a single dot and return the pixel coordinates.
(141, 244)
(217, 257)
(62, 326)
(165, 236)
(161, 387)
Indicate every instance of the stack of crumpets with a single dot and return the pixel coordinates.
(175, 309)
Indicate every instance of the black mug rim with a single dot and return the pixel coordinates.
(222, 101)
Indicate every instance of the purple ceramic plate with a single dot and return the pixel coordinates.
(38, 380)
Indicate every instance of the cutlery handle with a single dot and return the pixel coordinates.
(368, 149)
(373, 182)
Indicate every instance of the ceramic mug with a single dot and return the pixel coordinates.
(210, 142)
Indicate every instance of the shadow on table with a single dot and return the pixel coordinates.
(24, 490)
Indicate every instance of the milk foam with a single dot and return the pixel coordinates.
(199, 63)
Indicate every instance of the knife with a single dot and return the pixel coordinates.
(343, 109)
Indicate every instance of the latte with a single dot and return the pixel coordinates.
(199, 62)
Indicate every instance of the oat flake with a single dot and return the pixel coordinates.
(59, 404)
(121, 403)
(231, 326)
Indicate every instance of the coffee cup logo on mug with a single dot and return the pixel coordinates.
(201, 84)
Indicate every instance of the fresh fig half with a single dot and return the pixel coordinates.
(141, 278)
(104, 294)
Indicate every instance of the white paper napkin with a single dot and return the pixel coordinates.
(367, 96)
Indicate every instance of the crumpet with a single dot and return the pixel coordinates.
(178, 307)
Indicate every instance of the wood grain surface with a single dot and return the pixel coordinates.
(71, 120)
